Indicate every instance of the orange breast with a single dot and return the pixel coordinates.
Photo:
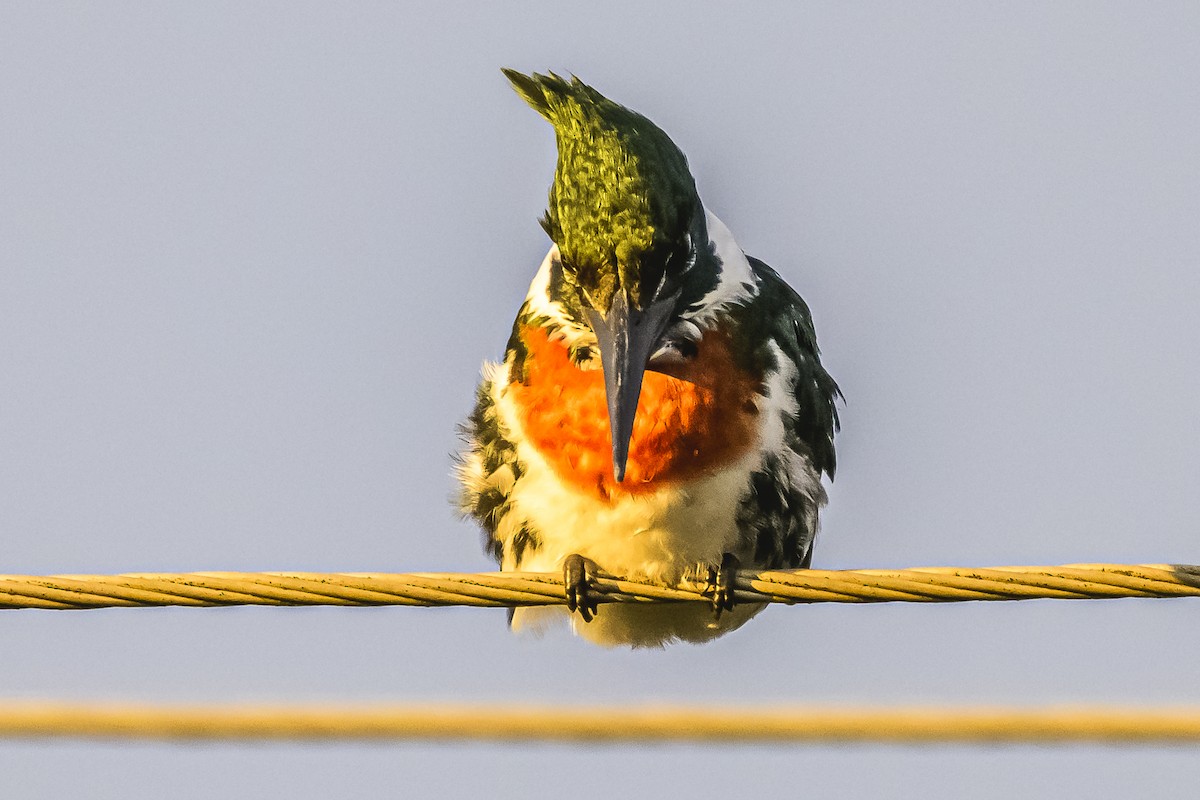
(686, 424)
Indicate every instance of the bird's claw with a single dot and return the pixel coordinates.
(721, 582)
(578, 573)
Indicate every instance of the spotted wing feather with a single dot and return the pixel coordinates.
(779, 511)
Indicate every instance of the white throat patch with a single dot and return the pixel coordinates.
(540, 305)
(736, 283)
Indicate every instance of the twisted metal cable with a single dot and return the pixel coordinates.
(927, 584)
(525, 723)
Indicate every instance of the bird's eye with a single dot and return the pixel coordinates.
(691, 258)
(581, 354)
(684, 258)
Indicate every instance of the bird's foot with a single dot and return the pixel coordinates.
(721, 582)
(578, 574)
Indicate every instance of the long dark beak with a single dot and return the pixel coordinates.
(628, 337)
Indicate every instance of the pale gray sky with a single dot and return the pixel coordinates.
(252, 254)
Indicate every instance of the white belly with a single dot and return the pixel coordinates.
(639, 625)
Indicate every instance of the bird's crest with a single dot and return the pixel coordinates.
(622, 196)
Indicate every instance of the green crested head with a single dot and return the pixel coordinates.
(623, 208)
(634, 251)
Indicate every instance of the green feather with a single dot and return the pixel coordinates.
(623, 199)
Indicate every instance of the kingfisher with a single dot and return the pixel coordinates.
(661, 412)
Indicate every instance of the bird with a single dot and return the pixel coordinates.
(661, 412)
